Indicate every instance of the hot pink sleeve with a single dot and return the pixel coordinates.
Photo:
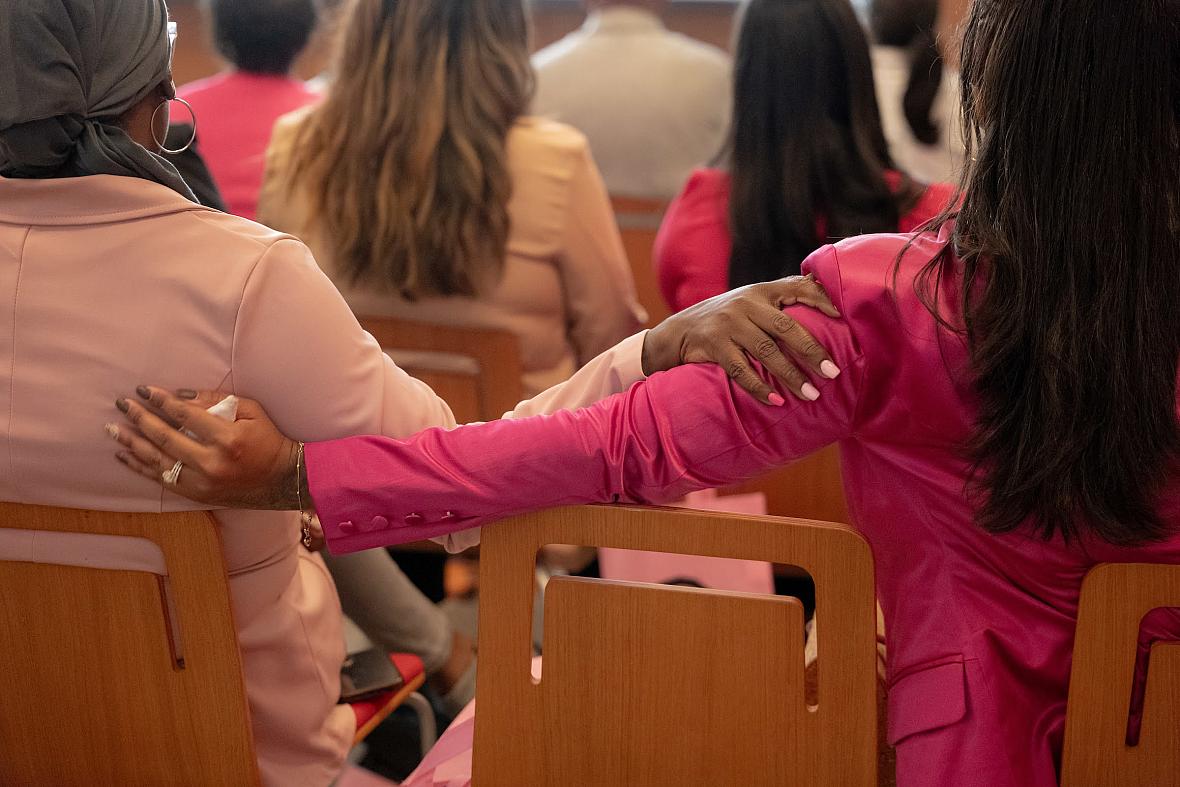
(675, 432)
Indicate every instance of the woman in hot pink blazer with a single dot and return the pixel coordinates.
(1008, 408)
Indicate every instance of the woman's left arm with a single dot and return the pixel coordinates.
(686, 429)
(679, 431)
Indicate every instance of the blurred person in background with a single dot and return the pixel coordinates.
(237, 109)
(653, 103)
(440, 200)
(916, 92)
(805, 163)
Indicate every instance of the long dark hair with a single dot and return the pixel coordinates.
(1068, 246)
(805, 140)
(911, 25)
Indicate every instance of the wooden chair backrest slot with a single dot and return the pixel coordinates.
(656, 685)
(1114, 600)
(99, 688)
(492, 390)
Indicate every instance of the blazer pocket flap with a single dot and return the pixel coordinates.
(926, 700)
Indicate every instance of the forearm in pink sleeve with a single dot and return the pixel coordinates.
(681, 430)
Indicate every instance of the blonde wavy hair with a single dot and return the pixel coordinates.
(405, 161)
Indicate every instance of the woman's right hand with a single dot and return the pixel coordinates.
(735, 328)
(247, 463)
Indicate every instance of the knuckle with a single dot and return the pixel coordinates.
(215, 470)
(735, 369)
(794, 331)
(235, 446)
(766, 349)
(814, 351)
(782, 323)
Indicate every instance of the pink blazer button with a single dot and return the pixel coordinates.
(413, 519)
(450, 515)
(347, 528)
(379, 523)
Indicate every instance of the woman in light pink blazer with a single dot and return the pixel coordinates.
(108, 271)
(1008, 409)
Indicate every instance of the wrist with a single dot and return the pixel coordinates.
(291, 492)
(656, 355)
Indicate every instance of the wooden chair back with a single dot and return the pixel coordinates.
(657, 685)
(113, 675)
(1115, 598)
(484, 392)
(639, 223)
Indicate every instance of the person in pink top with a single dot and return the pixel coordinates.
(806, 161)
(1008, 407)
(236, 110)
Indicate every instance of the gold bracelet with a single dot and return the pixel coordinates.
(304, 517)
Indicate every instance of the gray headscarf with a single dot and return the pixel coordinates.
(68, 70)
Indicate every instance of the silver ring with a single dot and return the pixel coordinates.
(172, 477)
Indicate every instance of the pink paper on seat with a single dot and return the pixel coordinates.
(750, 576)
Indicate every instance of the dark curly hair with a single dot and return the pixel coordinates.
(262, 36)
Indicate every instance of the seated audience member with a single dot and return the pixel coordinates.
(236, 110)
(915, 92)
(1008, 412)
(806, 162)
(113, 269)
(394, 614)
(440, 201)
(653, 103)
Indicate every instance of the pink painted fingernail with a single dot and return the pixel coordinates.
(776, 400)
(112, 430)
(810, 392)
(829, 370)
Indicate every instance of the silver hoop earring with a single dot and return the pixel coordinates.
(161, 143)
